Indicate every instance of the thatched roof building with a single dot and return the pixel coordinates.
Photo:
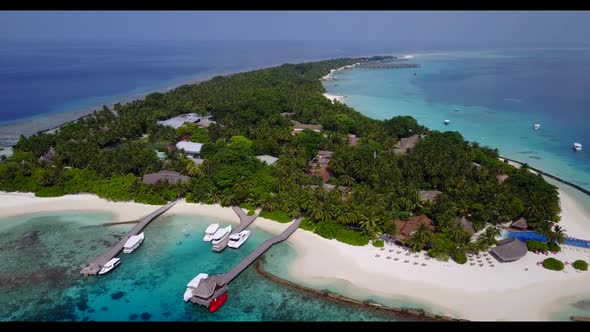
(48, 156)
(405, 228)
(429, 195)
(509, 250)
(502, 177)
(520, 223)
(165, 176)
(406, 143)
(467, 226)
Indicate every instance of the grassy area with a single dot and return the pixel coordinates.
(279, 216)
(378, 243)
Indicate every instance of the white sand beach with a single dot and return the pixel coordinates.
(505, 291)
(332, 98)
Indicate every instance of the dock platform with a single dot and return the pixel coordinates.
(97, 263)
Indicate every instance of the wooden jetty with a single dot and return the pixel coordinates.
(580, 319)
(215, 286)
(245, 221)
(97, 263)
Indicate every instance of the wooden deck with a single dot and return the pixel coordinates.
(216, 285)
(97, 263)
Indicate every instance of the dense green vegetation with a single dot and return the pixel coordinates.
(552, 246)
(580, 265)
(553, 264)
(108, 151)
(378, 243)
(537, 246)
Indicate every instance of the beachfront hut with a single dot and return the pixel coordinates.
(429, 195)
(520, 223)
(501, 178)
(509, 250)
(48, 156)
(288, 114)
(190, 148)
(299, 127)
(405, 228)
(467, 226)
(406, 143)
(319, 165)
(165, 176)
(270, 160)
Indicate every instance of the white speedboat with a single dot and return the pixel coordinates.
(537, 126)
(577, 147)
(220, 234)
(132, 243)
(193, 284)
(211, 229)
(113, 263)
(237, 239)
(447, 122)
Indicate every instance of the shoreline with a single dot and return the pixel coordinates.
(451, 293)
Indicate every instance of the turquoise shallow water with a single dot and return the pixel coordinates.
(41, 255)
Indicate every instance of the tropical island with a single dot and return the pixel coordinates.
(269, 138)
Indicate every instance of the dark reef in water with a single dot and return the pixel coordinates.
(146, 315)
(104, 308)
(117, 295)
(133, 316)
(248, 309)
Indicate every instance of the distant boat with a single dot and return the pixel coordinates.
(221, 234)
(211, 229)
(193, 284)
(577, 147)
(537, 126)
(237, 239)
(132, 243)
(113, 263)
(447, 122)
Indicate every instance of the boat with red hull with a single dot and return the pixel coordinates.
(217, 303)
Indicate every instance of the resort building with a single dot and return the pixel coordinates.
(287, 114)
(352, 139)
(429, 195)
(190, 148)
(501, 178)
(467, 226)
(509, 250)
(48, 156)
(270, 160)
(178, 121)
(520, 223)
(299, 127)
(165, 176)
(405, 228)
(406, 143)
(319, 165)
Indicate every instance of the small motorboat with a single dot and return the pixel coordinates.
(447, 122)
(113, 263)
(237, 239)
(577, 147)
(193, 284)
(211, 229)
(537, 126)
(217, 303)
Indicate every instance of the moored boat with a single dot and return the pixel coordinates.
(113, 263)
(221, 234)
(237, 239)
(577, 147)
(211, 229)
(537, 126)
(447, 122)
(217, 303)
(133, 243)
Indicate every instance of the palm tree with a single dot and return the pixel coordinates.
(420, 238)
(193, 169)
(559, 234)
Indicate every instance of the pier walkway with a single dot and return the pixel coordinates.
(245, 221)
(216, 285)
(96, 264)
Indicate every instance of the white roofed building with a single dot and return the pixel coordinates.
(267, 159)
(178, 121)
(190, 148)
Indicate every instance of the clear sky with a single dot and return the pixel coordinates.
(441, 26)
